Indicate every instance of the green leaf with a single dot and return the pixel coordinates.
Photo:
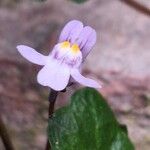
(40, 0)
(79, 1)
(87, 124)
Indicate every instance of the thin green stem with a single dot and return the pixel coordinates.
(52, 98)
(5, 136)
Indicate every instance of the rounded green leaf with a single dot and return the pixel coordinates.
(87, 124)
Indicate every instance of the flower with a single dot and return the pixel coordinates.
(64, 62)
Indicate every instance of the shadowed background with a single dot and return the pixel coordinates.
(120, 59)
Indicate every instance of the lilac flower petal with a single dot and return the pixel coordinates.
(71, 31)
(88, 40)
(54, 75)
(85, 81)
(31, 55)
(84, 36)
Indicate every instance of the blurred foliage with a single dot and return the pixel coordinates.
(40, 0)
(8, 3)
(87, 123)
(79, 1)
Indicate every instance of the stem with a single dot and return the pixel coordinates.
(137, 6)
(5, 136)
(52, 98)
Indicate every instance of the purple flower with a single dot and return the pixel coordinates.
(64, 62)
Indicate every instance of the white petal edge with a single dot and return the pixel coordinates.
(54, 75)
(82, 80)
(31, 55)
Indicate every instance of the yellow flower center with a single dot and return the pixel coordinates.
(65, 44)
(74, 48)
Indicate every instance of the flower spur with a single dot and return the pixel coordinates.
(64, 62)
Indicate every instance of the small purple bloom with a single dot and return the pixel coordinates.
(74, 44)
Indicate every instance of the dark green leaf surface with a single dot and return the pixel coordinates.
(87, 124)
(79, 1)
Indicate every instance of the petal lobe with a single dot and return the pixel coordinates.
(85, 81)
(31, 55)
